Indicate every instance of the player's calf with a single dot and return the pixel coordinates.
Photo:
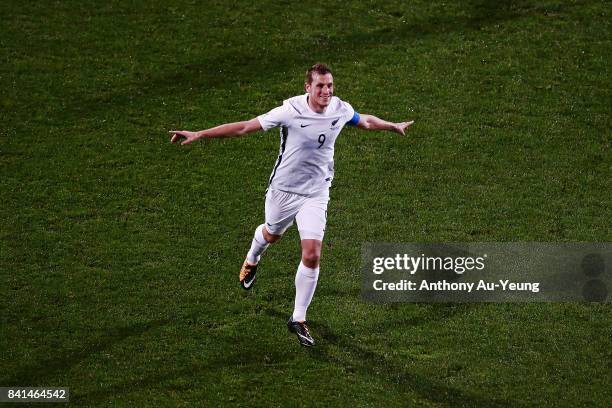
(261, 241)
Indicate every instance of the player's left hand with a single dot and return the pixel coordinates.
(178, 134)
(402, 127)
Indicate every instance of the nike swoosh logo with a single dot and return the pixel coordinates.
(335, 121)
(305, 338)
(248, 284)
(304, 125)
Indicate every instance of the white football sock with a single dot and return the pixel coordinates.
(258, 246)
(305, 285)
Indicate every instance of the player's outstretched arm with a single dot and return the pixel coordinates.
(226, 130)
(371, 122)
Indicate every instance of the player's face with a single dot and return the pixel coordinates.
(320, 91)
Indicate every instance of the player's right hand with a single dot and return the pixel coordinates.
(178, 134)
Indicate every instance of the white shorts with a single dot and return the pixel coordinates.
(309, 212)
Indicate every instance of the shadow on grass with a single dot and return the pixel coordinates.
(371, 364)
(42, 372)
(201, 374)
(440, 311)
(334, 349)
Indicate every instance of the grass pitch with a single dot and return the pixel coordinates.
(120, 252)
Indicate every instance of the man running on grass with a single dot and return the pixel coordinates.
(298, 188)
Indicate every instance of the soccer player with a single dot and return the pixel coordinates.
(298, 188)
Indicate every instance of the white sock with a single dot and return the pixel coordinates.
(305, 285)
(258, 246)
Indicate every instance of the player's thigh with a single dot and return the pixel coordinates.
(312, 218)
(281, 209)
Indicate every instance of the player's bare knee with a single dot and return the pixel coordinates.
(271, 238)
(311, 258)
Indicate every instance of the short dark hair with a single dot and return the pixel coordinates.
(317, 68)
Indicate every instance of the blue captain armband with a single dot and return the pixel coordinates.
(355, 120)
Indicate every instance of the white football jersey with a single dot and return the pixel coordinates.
(305, 163)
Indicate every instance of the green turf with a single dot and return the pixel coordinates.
(120, 252)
